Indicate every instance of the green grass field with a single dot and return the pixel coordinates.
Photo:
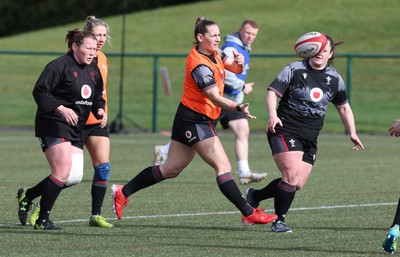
(374, 93)
(344, 209)
(346, 206)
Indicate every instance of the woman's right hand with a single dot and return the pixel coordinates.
(273, 120)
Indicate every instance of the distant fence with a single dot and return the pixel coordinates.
(157, 56)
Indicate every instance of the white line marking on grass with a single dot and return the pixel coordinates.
(218, 213)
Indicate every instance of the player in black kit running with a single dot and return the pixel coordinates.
(305, 88)
(68, 89)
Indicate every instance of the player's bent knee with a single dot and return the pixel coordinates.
(172, 173)
(299, 186)
(76, 173)
(102, 172)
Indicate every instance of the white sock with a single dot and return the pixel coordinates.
(165, 149)
(243, 167)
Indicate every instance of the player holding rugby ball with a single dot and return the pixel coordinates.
(305, 89)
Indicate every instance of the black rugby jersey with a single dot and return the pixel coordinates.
(305, 94)
(65, 82)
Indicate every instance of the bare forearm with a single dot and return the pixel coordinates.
(270, 102)
(346, 114)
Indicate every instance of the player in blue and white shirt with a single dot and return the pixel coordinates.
(235, 89)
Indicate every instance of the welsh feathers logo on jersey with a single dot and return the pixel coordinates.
(316, 94)
(86, 91)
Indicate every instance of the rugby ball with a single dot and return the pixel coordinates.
(310, 44)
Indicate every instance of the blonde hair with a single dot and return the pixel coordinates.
(92, 21)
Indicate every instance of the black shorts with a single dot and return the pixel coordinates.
(46, 142)
(191, 127)
(285, 142)
(226, 116)
(94, 130)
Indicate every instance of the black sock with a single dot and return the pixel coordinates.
(397, 215)
(51, 189)
(35, 191)
(284, 196)
(98, 193)
(230, 190)
(147, 177)
(266, 192)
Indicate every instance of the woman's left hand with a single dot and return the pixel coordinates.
(238, 57)
(245, 109)
(357, 143)
(102, 114)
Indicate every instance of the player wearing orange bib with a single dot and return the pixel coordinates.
(193, 131)
(102, 63)
(97, 139)
(193, 96)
